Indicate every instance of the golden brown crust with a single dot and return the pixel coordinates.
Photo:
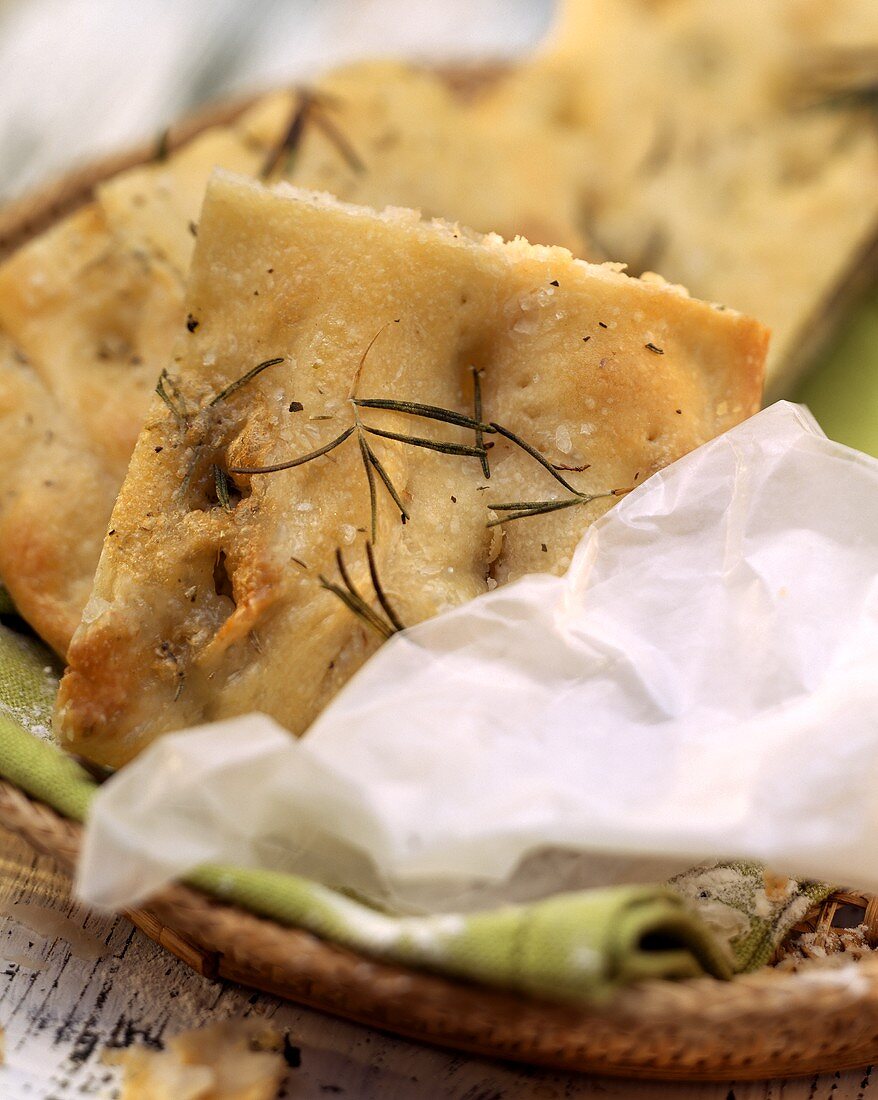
(54, 503)
(201, 611)
(93, 306)
(702, 150)
(95, 303)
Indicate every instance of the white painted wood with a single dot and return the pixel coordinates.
(62, 1011)
(78, 77)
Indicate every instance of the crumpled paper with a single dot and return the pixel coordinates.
(702, 683)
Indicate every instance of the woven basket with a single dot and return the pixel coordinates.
(798, 1018)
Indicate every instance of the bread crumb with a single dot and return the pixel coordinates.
(232, 1060)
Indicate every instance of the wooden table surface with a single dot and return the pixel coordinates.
(62, 1007)
(75, 984)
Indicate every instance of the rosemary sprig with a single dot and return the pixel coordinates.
(300, 461)
(286, 149)
(310, 107)
(477, 414)
(372, 465)
(243, 380)
(371, 462)
(385, 477)
(524, 509)
(330, 131)
(168, 391)
(350, 596)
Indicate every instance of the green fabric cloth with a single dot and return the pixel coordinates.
(28, 676)
(575, 947)
(842, 391)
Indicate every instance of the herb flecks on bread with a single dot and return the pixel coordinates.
(94, 304)
(214, 595)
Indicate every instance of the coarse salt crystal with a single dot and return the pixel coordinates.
(562, 439)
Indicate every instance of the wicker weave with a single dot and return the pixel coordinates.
(768, 1024)
(797, 1019)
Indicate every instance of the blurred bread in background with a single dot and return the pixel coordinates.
(730, 146)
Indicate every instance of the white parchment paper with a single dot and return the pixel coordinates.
(702, 683)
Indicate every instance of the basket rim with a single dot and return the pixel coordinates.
(223, 941)
(696, 1029)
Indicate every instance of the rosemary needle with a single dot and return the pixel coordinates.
(534, 453)
(370, 478)
(162, 146)
(527, 505)
(167, 390)
(330, 131)
(533, 508)
(477, 411)
(352, 396)
(221, 481)
(348, 593)
(430, 444)
(288, 145)
(345, 576)
(310, 107)
(524, 509)
(372, 615)
(300, 461)
(379, 591)
(359, 608)
(243, 380)
(388, 484)
(351, 598)
(430, 412)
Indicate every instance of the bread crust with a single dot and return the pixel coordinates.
(96, 302)
(203, 610)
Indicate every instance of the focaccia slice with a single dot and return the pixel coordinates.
(94, 321)
(96, 303)
(53, 487)
(374, 133)
(746, 179)
(222, 591)
(88, 318)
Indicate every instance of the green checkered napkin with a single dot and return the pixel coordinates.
(574, 947)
